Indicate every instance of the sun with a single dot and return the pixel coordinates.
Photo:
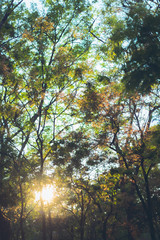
(47, 194)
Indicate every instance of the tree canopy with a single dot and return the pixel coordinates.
(79, 120)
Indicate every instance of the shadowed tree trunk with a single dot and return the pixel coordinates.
(5, 228)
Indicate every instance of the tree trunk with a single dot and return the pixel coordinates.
(22, 229)
(151, 226)
(43, 221)
(149, 205)
(21, 216)
(43, 218)
(82, 232)
(82, 218)
(72, 232)
(104, 231)
(50, 225)
(5, 228)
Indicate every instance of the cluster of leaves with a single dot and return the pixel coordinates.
(133, 29)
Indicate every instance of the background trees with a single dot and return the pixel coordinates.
(69, 118)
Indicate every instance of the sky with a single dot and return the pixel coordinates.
(29, 2)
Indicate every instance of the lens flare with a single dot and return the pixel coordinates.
(47, 194)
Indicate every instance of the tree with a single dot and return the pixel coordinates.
(62, 118)
(132, 41)
(103, 192)
(122, 129)
(41, 74)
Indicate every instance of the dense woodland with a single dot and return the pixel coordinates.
(79, 115)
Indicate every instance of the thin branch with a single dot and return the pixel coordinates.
(94, 34)
(8, 12)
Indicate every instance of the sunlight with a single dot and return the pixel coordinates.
(47, 194)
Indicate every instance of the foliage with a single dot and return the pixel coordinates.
(133, 42)
(79, 111)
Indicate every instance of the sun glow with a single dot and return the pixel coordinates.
(46, 193)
